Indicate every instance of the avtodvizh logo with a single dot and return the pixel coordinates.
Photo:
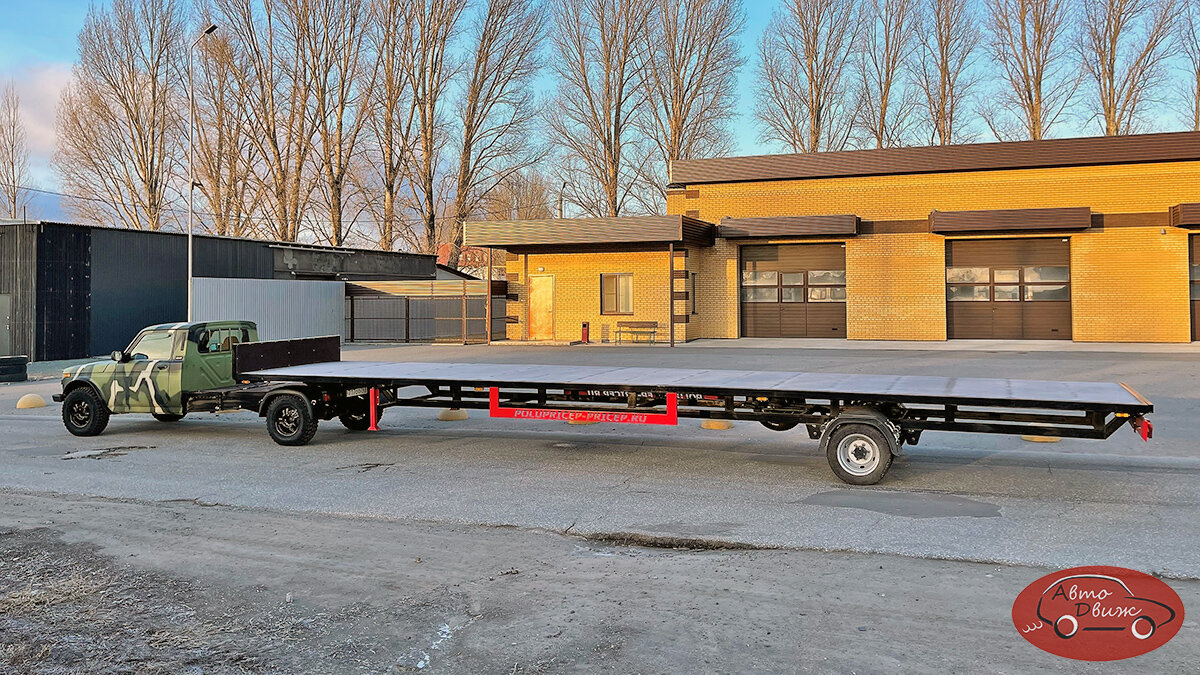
(1098, 613)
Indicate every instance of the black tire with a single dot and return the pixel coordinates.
(17, 377)
(290, 421)
(167, 417)
(83, 413)
(6, 361)
(780, 425)
(15, 369)
(859, 454)
(1139, 634)
(356, 414)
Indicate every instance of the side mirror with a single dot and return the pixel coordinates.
(118, 356)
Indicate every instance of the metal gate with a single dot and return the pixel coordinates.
(414, 311)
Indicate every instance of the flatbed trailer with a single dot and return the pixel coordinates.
(861, 421)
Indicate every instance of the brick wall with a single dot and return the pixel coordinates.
(1130, 284)
(577, 292)
(896, 287)
(1130, 188)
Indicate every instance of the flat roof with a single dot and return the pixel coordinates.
(1095, 151)
(275, 243)
(571, 231)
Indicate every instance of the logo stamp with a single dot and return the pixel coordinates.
(1098, 613)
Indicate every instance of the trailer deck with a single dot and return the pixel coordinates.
(860, 420)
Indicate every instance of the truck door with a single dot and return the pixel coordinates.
(149, 382)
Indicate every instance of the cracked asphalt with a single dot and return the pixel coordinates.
(954, 500)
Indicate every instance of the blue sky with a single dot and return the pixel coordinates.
(38, 46)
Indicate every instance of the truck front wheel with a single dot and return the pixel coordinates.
(290, 421)
(167, 417)
(83, 413)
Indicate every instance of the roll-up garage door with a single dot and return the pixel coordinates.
(1195, 284)
(794, 290)
(1008, 289)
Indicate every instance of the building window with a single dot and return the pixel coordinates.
(616, 294)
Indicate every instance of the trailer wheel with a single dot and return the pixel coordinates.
(859, 454)
(356, 414)
(290, 421)
(780, 425)
(83, 413)
(167, 417)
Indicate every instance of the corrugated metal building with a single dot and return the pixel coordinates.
(72, 291)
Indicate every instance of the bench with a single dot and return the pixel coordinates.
(637, 329)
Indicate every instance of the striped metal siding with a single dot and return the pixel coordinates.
(138, 279)
(1182, 146)
(943, 222)
(18, 262)
(789, 226)
(64, 288)
(283, 309)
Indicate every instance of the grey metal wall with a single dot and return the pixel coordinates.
(282, 308)
(18, 272)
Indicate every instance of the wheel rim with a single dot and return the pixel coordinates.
(858, 454)
(287, 422)
(1070, 619)
(81, 414)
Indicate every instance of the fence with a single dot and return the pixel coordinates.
(422, 311)
(282, 308)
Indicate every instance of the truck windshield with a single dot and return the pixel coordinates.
(154, 346)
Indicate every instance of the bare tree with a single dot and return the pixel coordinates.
(497, 110)
(119, 123)
(14, 155)
(430, 70)
(887, 106)
(223, 145)
(526, 195)
(691, 76)
(1189, 40)
(332, 36)
(389, 122)
(805, 98)
(274, 87)
(1031, 43)
(948, 39)
(599, 59)
(1124, 47)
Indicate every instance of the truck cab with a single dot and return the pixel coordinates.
(160, 371)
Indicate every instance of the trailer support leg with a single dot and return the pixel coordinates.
(374, 410)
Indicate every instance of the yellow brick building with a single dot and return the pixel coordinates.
(1084, 239)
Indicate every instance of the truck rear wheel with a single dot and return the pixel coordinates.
(780, 425)
(356, 414)
(859, 454)
(167, 417)
(290, 421)
(83, 413)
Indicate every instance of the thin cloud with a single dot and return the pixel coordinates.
(40, 85)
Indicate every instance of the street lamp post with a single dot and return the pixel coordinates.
(191, 164)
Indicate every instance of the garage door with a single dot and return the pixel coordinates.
(1195, 278)
(794, 291)
(1008, 289)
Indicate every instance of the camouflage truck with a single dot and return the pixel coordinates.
(174, 369)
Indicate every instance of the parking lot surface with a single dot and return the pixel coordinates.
(956, 506)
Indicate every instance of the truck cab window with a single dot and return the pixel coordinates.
(153, 346)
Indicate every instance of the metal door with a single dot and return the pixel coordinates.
(5, 324)
(793, 291)
(541, 307)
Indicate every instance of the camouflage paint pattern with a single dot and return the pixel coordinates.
(155, 385)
